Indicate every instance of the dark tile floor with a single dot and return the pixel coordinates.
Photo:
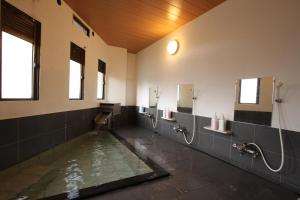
(194, 175)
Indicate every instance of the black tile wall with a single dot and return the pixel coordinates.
(8, 155)
(22, 138)
(220, 146)
(30, 127)
(291, 173)
(243, 132)
(205, 142)
(127, 117)
(31, 147)
(9, 131)
(268, 138)
(58, 136)
(292, 141)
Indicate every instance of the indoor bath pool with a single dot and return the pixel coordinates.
(91, 164)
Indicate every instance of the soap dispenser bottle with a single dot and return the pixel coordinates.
(222, 124)
(214, 122)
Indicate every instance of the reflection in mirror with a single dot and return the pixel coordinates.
(185, 98)
(153, 97)
(254, 100)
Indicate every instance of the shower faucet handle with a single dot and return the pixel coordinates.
(179, 129)
(245, 148)
(239, 147)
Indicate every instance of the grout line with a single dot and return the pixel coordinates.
(230, 149)
(252, 160)
(18, 140)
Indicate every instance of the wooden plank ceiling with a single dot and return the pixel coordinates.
(135, 24)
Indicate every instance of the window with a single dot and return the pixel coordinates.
(249, 91)
(80, 25)
(20, 55)
(76, 72)
(101, 79)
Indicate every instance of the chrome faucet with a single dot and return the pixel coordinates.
(245, 148)
(179, 129)
(148, 115)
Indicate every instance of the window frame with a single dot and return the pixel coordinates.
(81, 61)
(257, 92)
(35, 50)
(101, 69)
(81, 24)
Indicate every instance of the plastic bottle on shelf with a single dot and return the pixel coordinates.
(222, 124)
(214, 122)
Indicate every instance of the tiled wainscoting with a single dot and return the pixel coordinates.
(128, 117)
(22, 138)
(220, 146)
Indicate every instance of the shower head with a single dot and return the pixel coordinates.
(279, 85)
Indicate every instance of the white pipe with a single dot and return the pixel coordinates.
(154, 124)
(193, 133)
(281, 141)
(194, 121)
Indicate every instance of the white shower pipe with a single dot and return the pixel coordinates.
(278, 100)
(154, 123)
(194, 100)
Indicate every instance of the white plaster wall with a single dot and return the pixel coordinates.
(237, 39)
(131, 80)
(57, 33)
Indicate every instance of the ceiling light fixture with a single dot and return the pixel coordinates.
(172, 47)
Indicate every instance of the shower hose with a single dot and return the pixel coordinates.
(281, 145)
(194, 124)
(154, 124)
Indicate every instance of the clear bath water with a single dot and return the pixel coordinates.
(90, 160)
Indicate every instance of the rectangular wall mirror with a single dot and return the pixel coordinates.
(153, 97)
(254, 100)
(185, 98)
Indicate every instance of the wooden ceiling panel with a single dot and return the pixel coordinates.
(135, 24)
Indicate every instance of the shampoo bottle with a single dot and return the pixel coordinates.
(167, 113)
(141, 109)
(214, 122)
(222, 123)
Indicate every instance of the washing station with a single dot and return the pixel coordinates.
(103, 120)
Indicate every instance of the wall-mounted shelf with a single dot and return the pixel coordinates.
(169, 119)
(142, 113)
(218, 131)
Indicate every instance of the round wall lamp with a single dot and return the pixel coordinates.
(172, 47)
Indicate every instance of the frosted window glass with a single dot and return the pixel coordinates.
(75, 80)
(249, 90)
(17, 68)
(80, 27)
(100, 92)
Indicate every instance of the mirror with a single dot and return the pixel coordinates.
(185, 98)
(153, 97)
(254, 100)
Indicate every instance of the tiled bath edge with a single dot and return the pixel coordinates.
(25, 137)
